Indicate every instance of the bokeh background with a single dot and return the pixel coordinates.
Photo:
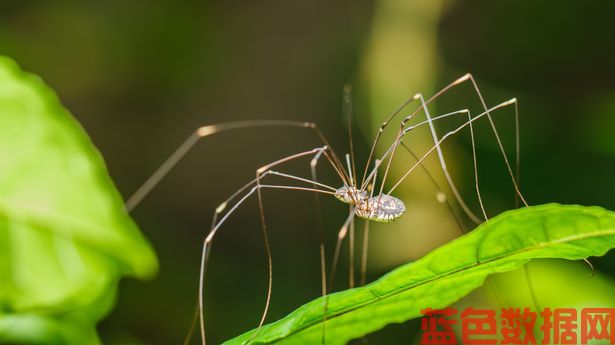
(142, 75)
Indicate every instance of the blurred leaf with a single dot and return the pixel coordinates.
(448, 273)
(38, 329)
(65, 238)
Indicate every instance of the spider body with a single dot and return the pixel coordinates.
(382, 208)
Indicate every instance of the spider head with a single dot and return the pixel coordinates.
(351, 195)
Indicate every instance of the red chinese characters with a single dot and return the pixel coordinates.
(560, 326)
(437, 327)
(517, 326)
(478, 327)
(598, 324)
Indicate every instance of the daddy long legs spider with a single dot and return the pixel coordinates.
(367, 199)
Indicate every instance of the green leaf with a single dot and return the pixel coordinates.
(38, 329)
(447, 274)
(65, 238)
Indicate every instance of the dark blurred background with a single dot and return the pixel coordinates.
(142, 75)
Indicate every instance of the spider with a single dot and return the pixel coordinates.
(366, 196)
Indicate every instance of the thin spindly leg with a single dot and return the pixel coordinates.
(205, 131)
(261, 211)
(379, 134)
(321, 240)
(264, 224)
(497, 137)
(408, 129)
(338, 245)
(255, 187)
(347, 109)
(185, 147)
(440, 196)
(447, 175)
(364, 252)
(351, 237)
(437, 145)
(450, 206)
(487, 111)
(209, 239)
(446, 136)
(352, 172)
(514, 177)
(388, 152)
(351, 254)
(370, 189)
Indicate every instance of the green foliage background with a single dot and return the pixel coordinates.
(140, 76)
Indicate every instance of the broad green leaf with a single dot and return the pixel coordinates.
(447, 274)
(65, 238)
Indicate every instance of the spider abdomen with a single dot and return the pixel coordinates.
(381, 208)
